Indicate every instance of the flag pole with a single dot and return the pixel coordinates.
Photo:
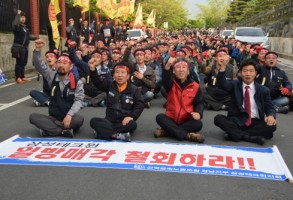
(89, 20)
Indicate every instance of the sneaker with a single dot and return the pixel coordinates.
(95, 135)
(160, 133)
(147, 105)
(195, 137)
(43, 133)
(85, 104)
(102, 104)
(283, 110)
(47, 103)
(37, 104)
(124, 137)
(67, 133)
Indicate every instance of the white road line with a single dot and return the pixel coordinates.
(6, 85)
(14, 103)
(9, 84)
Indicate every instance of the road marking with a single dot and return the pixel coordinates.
(14, 103)
(9, 84)
(6, 85)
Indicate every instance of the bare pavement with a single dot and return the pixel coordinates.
(47, 182)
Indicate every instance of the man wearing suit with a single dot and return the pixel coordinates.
(251, 115)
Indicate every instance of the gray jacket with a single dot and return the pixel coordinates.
(49, 75)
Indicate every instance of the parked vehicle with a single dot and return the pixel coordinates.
(252, 35)
(227, 33)
(135, 34)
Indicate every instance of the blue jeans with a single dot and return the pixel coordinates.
(40, 97)
(148, 96)
(280, 101)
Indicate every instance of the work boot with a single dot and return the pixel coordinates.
(195, 137)
(159, 132)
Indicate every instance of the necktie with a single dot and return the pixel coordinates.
(247, 105)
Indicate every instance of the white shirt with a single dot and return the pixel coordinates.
(253, 106)
(142, 69)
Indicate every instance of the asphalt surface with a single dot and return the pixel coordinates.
(47, 182)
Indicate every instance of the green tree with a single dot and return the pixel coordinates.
(192, 23)
(171, 11)
(213, 14)
(236, 10)
(244, 9)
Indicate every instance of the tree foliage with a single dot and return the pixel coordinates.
(171, 11)
(214, 13)
(242, 9)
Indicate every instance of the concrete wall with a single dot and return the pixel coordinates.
(284, 46)
(6, 61)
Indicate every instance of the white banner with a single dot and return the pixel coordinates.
(263, 163)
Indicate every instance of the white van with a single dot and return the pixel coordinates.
(252, 35)
(227, 33)
(135, 34)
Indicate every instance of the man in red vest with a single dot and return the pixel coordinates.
(184, 108)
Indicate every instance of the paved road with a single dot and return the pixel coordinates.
(47, 183)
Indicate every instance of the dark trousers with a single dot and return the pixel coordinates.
(257, 128)
(52, 126)
(105, 129)
(175, 130)
(216, 103)
(21, 63)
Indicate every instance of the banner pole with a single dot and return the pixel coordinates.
(283, 164)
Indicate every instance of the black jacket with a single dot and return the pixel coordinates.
(128, 103)
(274, 78)
(236, 111)
(21, 33)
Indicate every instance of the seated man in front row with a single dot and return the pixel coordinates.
(124, 102)
(66, 95)
(251, 115)
(184, 108)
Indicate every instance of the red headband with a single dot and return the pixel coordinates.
(96, 55)
(122, 67)
(139, 52)
(221, 53)
(180, 53)
(117, 51)
(148, 51)
(51, 55)
(64, 59)
(271, 55)
(185, 64)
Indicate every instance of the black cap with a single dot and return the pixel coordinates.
(22, 14)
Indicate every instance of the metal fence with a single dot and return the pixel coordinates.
(282, 12)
